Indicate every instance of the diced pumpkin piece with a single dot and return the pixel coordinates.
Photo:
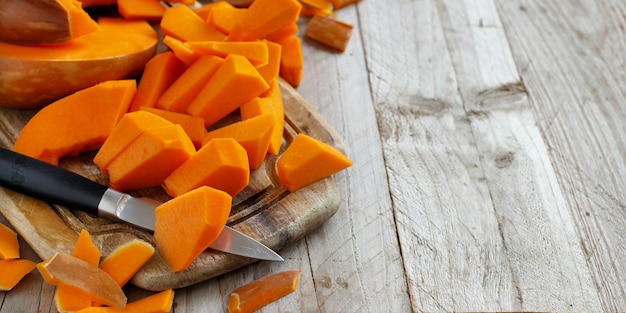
(43, 22)
(307, 160)
(9, 245)
(271, 70)
(141, 9)
(187, 225)
(253, 134)
(222, 164)
(77, 123)
(66, 299)
(255, 51)
(223, 16)
(184, 24)
(234, 83)
(126, 260)
(12, 272)
(181, 50)
(35, 76)
(160, 302)
(63, 269)
(283, 32)
(291, 62)
(272, 104)
(130, 126)
(193, 125)
(329, 31)
(258, 293)
(263, 17)
(150, 158)
(160, 72)
(181, 93)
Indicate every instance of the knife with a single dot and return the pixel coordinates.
(54, 184)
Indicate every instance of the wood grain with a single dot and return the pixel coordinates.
(489, 143)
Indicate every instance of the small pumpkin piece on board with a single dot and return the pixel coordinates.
(77, 123)
(130, 126)
(223, 16)
(184, 24)
(193, 125)
(124, 262)
(292, 61)
(329, 31)
(234, 83)
(43, 22)
(258, 293)
(12, 272)
(160, 72)
(222, 164)
(141, 9)
(271, 103)
(307, 160)
(255, 51)
(186, 225)
(254, 135)
(263, 17)
(66, 299)
(183, 90)
(181, 50)
(63, 269)
(160, 302)
(150, 158)
(271, 70)
(9, 245)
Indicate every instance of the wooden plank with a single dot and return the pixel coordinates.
(354, 256)
(571, 58)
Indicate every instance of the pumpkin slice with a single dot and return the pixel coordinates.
(291, 61)
(263, 17)
(141, 9)
(255, 51)
(187, 225)
(307, 160)
(193, 125)
(66, 299)
(184, 24)
(160, 72)
(34, 76)
(9, 246)
(43, 22)
(271, 103)
(77, 123)
(71, 272)
(234, 83)
(222, 163)
(160, 302)
(124, 262)
(150, 158)
(258, 293)
(12, 272)
(253, 134)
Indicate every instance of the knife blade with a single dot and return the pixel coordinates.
(57, 185)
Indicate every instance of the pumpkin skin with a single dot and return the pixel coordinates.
(34, 76)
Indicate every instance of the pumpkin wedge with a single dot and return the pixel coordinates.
(76, 123)
(9, 246)
(34, 76)
(29, 22)
(66, 270)
(12, 272)
(258, 293)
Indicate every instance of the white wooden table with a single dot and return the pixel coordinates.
(488, 140)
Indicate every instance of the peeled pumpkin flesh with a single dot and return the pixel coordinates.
(9, 246)
(187, 225)
(81, 277)
(77, 123)
(12, 272)
(33, 76)
(38, 22)
(258, 293)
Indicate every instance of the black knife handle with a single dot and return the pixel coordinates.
(49, 183)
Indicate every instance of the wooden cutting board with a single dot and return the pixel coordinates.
(264, 210)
